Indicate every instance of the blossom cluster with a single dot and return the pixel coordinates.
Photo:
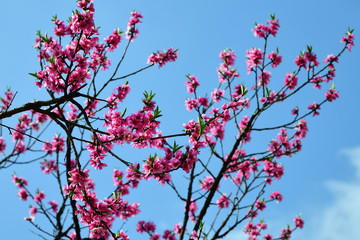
(67, 69)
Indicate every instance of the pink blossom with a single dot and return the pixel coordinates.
(267, 236)
(348, 39)
(207, 182)
(20, 147)
(330, 59)
(223, 201)
(73, 113)
(254, 57)
(330, 95)
(19, 181)
(277, 196)
(192, 209)
(132, 32)
(33, 211)
(301, 61)
(23, 194)
(177, 229)
(192, 83)
(7, 100)
(156, 236)
(39, 197)
(48, 167)
(54, 205)
(272, 169)
(264, 78)
(2, 145)
(314, 107)
(316, 81)
(263, 31)
(191, 104)
(113, 40)
(163, 57)
(275, 59)
(295, 111)
(311, 58)
(90, 106)
(299, 222)
(301, 129)
(148, 227)
(228, 56)
(217, 94)
(290, 80)
(194, 235)
(285, 233)
(260, 205)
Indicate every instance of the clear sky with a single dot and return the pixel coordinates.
(322, 181)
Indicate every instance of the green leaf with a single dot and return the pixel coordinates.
(176, 147)
(34, 75)
(123, 114)
(157, 113)
(202, 125)
(54, 18)
(309, 48)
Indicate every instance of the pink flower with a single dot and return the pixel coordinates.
(331, 59)
(295, 111)
(285, 234)
(39, 197)
(275, 59)
(311, 58)
(54, 205)
(148, 227)
(33, 210)
(132, 32)
(177, 229)
(228, 56)
(263, 31)
(264, 78)
(316, 81)
(191, 83)
(2, 145)
(290, 80)
(23, 195)
(330, 95)
(301, 61)
(267, 236)
(48, 167)
(260, 205)
(113, 40)
(277, 196)
(191, 104)
(223, 201)
(20, 147)
(217, 94)
(207, 183)
(163, 57)
(194, 235)
(314, 107)
(7, 100)
(301, 129)
(254, 58)
(299, 222)
(348, 39)
(19, 181)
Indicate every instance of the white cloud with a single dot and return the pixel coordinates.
(340, 219)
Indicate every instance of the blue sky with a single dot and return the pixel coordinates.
(321, 182)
